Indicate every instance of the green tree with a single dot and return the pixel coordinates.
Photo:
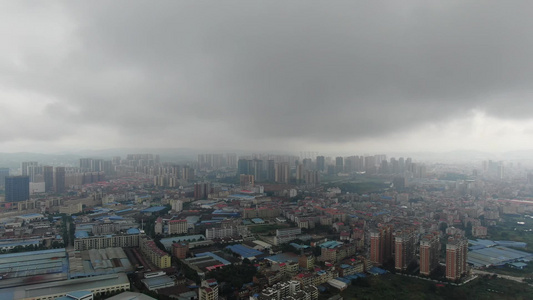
(468, 229)
(442, 227)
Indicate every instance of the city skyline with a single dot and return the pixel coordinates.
(360, 77)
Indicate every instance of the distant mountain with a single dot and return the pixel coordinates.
(13, 160)
(519, 155)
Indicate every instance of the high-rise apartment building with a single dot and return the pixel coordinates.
(25, 165)
(456, 252)
(282, 172)
(59, 180)
(404, 252)
(48, 176)
(299, 173)
(312, 177)
(381, 244)
(231, 160)
(85, 164)
(370, 165)
(4, 172)
(320, 163)
(429, 253)
(187, 173)
(17, 188)
(246, 180)
(244, 166)
(35, 172)
(257, 169)
(271, 170)
(251, 167)
(339, 164)
(201, 190)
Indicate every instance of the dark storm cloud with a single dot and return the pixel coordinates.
(317, 71)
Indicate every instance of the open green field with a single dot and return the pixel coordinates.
(400, 287)
(526, 272)
(359, 185)
(511, 231)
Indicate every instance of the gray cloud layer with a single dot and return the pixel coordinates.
(317, 72)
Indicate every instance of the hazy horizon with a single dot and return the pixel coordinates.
(330, 77)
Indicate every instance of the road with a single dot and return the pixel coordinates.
(517, 279)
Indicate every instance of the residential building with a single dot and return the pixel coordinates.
(180, 250)
(429, 253)
(381, 244)
(17, 188)
(456, 252)
(59, 180)
(106, 241)
(177, 226)
(157, 256)
(405, 249)
(208, 290)
(4, 172)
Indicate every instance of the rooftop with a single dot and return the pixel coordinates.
(283, 257)
(153, 209)
(496, 256)
(244, 251)
(63, 286)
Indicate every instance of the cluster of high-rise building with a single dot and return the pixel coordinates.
(395, 228)
(402, 246)
(217, 161)
(34, 179)
(307, 171)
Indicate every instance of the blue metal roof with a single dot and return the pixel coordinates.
(241, 196)
(376, 270)
(156, 281)
(345, 266)
(330, 244)
(213, 255)
(511, 244)
(284, 257)
(79, 294)
(244, 251)
(496, 256)
(32, 215)
(344, 279)
(21, 243)
(153, 209)
(297, 246)
(224, 212)
(133, 231)
(81, 234)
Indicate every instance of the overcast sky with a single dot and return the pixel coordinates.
(328, 76)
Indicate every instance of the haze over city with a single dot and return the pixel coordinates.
(266, 150)
(364, 76)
